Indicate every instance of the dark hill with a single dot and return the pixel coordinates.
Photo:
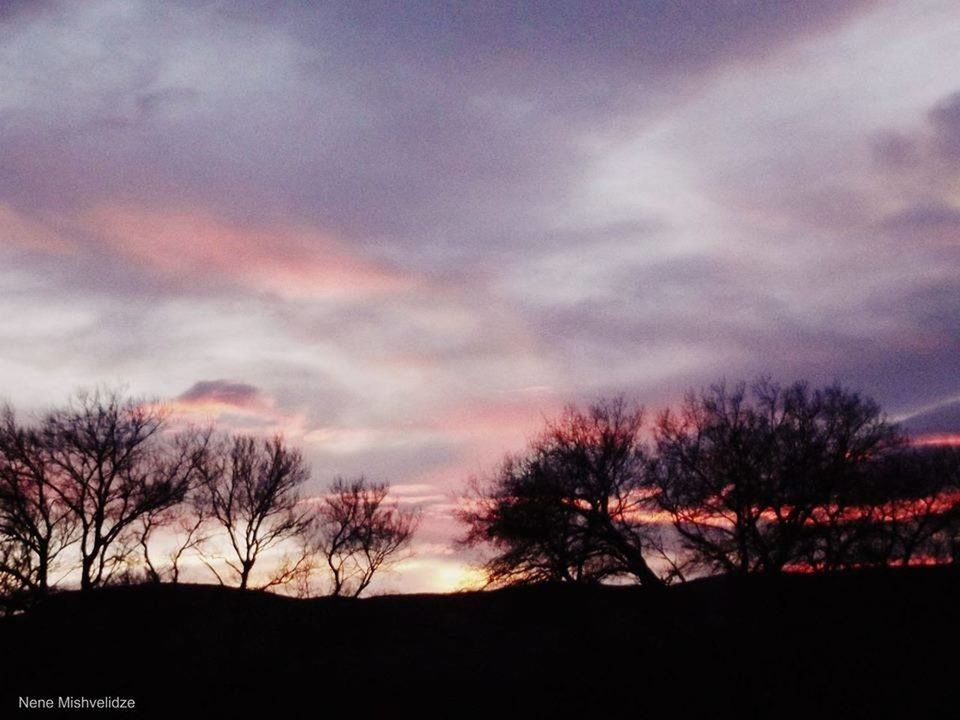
(854, 645)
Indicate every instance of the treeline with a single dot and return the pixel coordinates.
(759, 479)
(91, 492)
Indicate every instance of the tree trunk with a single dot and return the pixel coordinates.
(42, 564)
(245, 574)
(86, 582)
(633, 558)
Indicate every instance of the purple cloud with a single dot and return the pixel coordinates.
(935, 223)
(945, 118)
(221, 392)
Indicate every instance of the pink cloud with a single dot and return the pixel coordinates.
(484, 432)
(236, 407)
(30, 234)
(417, 494)
(517, 416)
(291, 261)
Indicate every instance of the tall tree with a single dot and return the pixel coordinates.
(110, 465)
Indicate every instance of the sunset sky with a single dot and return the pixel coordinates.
(402, 235)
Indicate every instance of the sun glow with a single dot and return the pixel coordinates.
(441, 575)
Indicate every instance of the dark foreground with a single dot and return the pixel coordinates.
(861, 645)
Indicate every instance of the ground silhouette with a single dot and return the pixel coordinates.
(837, 645)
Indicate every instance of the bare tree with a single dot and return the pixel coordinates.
(17, 571)
(250, 488)
(358, 533)
(112, 468)
(572, 508)
(908, 511)
(184, 525)
(35, 524)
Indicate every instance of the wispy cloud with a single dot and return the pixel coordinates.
(195, 248)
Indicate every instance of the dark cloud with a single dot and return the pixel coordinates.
(895, 149)
(934, 223)
(945, 118)
(682, 324)
(10, 9)
(588, 47)
(221, 391)
(441, 129)
(933, 147)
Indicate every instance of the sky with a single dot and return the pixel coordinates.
(404, 234)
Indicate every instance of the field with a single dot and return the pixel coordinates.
(851, 645)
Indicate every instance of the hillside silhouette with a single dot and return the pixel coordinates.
(837, 644)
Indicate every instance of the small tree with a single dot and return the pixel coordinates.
(572, 507)
(251, 488)
(358, 532)
(185, 523)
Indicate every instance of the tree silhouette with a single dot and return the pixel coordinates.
(110, 466)
(184, 524)
(36, 525)
(763, 479)
(906, 510)
(250, 488)
(571, 508)
(16, 573)
(358, 532)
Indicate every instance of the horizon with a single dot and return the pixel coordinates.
(404, 236)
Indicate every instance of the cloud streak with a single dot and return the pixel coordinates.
(195, 248)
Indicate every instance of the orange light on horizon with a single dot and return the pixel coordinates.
(937, 440)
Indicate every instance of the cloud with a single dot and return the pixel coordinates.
(945, 118)
(221, 392)
(193, 247)
(237, 407)
(426, 135)
(935, 223)
(19, 231)
(893, 149)
(920, 157)
(935, 426)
